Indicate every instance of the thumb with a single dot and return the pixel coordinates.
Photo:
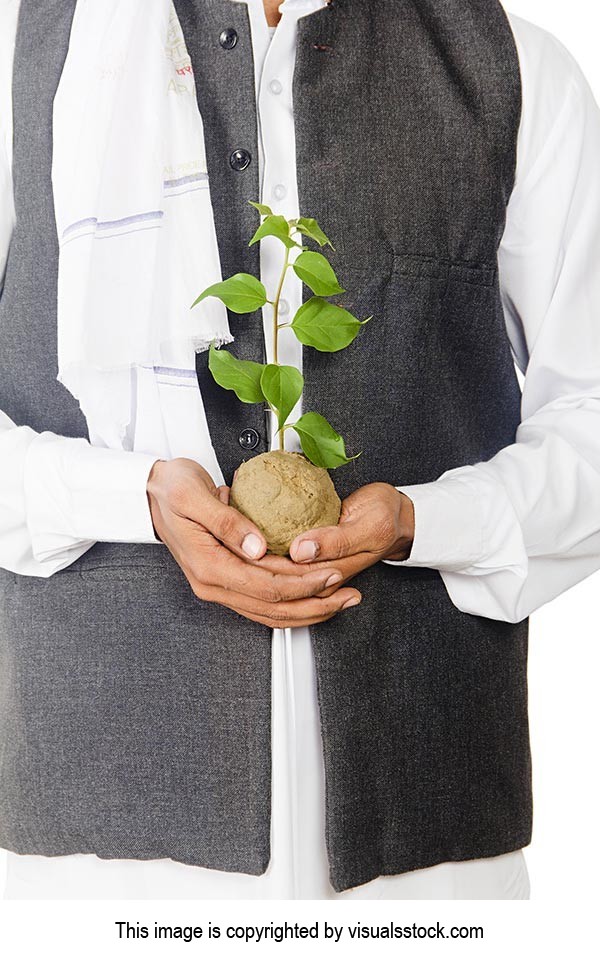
(328, 544)
(233, 529)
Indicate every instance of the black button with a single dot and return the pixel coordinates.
(228, 38)
(240, 159)
(249, 439)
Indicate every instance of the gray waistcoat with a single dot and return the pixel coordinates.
(135, 719)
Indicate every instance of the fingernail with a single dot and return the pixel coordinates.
(306, 551)
(333, 580)
(351, 603)
(251, 545)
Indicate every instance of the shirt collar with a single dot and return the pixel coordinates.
(287, 4)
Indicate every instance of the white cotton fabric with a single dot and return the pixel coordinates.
(132, 205)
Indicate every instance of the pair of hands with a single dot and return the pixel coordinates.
(223, 555)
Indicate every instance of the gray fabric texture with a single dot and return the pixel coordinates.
(135, 720)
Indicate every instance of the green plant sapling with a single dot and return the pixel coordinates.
(286, 493)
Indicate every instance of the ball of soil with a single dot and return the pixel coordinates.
(284, 494)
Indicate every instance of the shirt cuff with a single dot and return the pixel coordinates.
(449, 528)
(78, 493)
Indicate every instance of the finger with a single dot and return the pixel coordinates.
(284, 565)
(329, 544)
(302, 623)
(348, 567)
(289, 614)
(216, 567)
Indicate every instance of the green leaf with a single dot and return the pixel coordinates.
(325, 326)
(243, 377)
(316, 271)
(261, 208)
(309, 227)
(275, 225)
(320, 443)
(282, 386)
(241, 293)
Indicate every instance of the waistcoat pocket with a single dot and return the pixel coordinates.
(450, 271)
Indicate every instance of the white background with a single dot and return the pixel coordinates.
(564, 664)
(565, 719)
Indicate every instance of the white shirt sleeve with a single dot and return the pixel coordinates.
(57, 495)
(514, 532)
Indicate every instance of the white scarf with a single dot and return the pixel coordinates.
(135, 224)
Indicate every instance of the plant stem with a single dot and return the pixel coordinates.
(281, 432)
(286, 264)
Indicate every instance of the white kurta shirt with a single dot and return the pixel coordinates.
(507, 535)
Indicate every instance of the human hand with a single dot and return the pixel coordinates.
(376, 523)
(216, 547)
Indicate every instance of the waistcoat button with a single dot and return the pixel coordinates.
(228, 38)
(240, 159)
(249, 439)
